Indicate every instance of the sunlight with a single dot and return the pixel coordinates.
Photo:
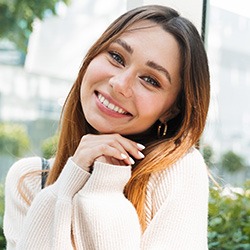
(240, 7)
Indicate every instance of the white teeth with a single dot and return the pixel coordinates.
(102, 99)
(109, 105)
(106, 102)
(120, 111)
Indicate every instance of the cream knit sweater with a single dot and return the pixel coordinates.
(94, 208)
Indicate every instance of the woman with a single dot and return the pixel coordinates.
(126, 174)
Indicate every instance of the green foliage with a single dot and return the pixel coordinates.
(49, 147)
(14, 140)
(16, 18)
(2, 239)
(229, 219)
(208, 154)
(232, 162)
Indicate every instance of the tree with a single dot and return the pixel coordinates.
(232, 162)
(208, 155)
(14, 140)
(49, 146)
(17, 17)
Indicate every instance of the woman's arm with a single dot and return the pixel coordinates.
(103, 217)
(46, 223)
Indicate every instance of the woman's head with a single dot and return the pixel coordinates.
(134, 82)
(188, 112)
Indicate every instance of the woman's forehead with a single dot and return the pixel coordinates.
(141, 25)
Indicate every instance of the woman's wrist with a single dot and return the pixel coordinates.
(71, 180)
(85, 167)
(107, 178)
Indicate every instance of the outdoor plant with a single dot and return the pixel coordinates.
(208, 153)
(229, 218)
(49, 146)
(17, 18)
(232, 162)
(14, 139)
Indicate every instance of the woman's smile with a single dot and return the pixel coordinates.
(110, 107)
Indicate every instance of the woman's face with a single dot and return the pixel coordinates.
(133, 83)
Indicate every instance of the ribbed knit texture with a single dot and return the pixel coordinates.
(94, 208)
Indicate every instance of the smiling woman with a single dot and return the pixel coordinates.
(126, 174)
(135, 79)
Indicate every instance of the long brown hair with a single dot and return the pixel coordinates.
(184, 130)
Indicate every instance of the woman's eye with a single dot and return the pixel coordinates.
(151, 81)
(117, 57)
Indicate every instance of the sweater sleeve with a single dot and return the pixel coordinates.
(104, 218)
(46, 222)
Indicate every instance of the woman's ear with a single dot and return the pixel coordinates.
(170, 114)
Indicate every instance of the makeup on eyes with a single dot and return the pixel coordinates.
(151, 64)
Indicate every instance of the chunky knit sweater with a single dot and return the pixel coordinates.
(94, 208)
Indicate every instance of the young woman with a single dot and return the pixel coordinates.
(126, 174)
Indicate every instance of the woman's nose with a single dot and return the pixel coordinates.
(122, 83)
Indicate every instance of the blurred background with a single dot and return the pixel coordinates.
(42, 45)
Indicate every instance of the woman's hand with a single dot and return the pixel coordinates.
(110, 148)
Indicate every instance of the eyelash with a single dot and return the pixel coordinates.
(117, 57)
(120, 60)
(151, 81)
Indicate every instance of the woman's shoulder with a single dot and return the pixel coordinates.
(192, 161)
(24, 173)
(193, 153)
(190, 169)
(24, 166)
(27, 165)
(193, 158)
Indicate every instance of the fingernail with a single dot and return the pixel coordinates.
(141, 154)
(140, 146)
(123, 156)
(131, 161)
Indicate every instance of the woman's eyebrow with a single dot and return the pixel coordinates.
(126, 46)
(150, 64)
(158, 67)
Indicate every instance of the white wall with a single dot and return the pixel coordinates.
(191, 9)
(58, 45)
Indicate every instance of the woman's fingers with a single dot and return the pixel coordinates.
(114, 146)
(128, 147)
(114, 150)
(110, 160)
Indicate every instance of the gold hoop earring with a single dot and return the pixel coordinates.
(162, 130)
